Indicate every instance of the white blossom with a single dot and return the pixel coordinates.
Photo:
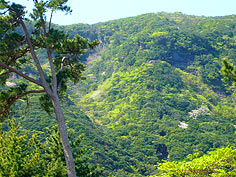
(201, 111)
(183, 125)
(10, 84)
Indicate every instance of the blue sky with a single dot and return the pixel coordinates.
(94, 11)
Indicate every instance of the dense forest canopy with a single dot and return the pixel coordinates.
(153, 91)
(154, 86)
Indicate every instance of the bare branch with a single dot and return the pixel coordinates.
(22, 54)
(21, 74)
(6, 73)
(62, 68)
(14, 58)
(18, 97)
(33, 52)
(53, 71)
(50, 21)
(3, 13)
(49, 52)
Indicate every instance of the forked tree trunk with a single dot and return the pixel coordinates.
(55, 100)
(64, 137)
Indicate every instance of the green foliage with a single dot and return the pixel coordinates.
(220, 162)
(229, 71)
(20, 154)
(24, 154)
(53, 149)
(18, 41)
(142, 110)
(9, 96)
(149, 74)
(143, 81)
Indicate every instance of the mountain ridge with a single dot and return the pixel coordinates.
(148, 75)
(190, 47)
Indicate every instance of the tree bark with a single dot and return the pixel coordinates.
(52, 92)
(64, 137)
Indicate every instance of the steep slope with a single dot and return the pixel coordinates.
(155, 88)
(143, 110)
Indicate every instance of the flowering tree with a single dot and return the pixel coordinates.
(198, 112)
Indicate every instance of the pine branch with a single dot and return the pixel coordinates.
(22, 54)
(49, 53)
(61, 69)
(18, 97)
(21, 74)
(6, 73)
(37, 63)
(35, 58)
(14, 58)
(4, 13)
(50, 22)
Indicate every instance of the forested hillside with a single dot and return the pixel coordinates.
(153, 91)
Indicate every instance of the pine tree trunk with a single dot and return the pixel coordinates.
(55, 99)
(64, 137)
